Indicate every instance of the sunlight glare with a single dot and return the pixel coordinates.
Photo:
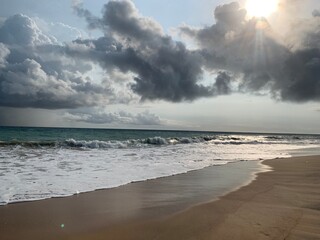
(261, 8)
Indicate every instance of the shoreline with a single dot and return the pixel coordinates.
(258, 168)
(137, 201)
(200, 219)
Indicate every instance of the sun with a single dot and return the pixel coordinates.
(261, 8)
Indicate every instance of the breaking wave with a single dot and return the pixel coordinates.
(160, 141)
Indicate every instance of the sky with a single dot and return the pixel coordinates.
(238, 66)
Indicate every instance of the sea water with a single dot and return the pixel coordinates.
(39, 163)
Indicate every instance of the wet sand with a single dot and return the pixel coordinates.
(282, 204)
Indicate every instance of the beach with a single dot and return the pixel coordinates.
(280, 204)
(149, 120)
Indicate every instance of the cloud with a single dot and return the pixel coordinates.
(124, 20)
(222, 84)
(303, 69)
(245, 55)
(263, 61)
(38, 72)
(165, 69)
(33, 77)
(26, 84)
(237, 44)
(230, 20)
(93, 22)
(99, 116)
(22, 30)
(62, 32)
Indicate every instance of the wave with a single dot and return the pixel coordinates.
(154, 141)
(160, 141)
(286, 137)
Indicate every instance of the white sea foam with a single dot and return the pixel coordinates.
(31, 173)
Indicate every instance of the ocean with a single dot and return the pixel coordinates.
(40, 163)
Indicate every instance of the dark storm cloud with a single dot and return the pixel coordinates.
(251, 49)
(222, 84)
(303, 71)
(101, 117)
(312, 38)
(165, 69)
(124, 20)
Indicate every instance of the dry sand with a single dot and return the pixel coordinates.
(282, 204)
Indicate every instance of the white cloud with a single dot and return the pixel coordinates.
(23, 30)
(61, 31)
